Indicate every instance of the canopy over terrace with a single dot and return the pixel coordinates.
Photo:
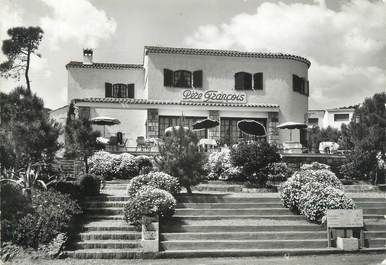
(157, 110)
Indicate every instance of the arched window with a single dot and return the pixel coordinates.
(182, 78)
(243, 81)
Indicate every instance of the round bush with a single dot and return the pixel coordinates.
(144, 164)
(291, 189)
(102, 164)
(157, 180)
(149, 202)
(89, 185)
(315, 199)
(277, 173)
(126, 167)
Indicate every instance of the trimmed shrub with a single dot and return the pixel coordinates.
(52, 214)
(254, 158)
(149, 202)
(277, 173)
(315, 199)
(14, 206)
(314, 166)
(157, 180)
(102, 164)
(126, 167)
(89, 185)
(71, 188)
(144, 164)
(219, 166)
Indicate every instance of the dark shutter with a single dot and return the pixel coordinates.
(197, 79)
(302, 85)
(168, 77)
(258, 81)
(307, 88)
(247, 81)
(131, 90)
(295, 83)
(239, 81)
(108, 90)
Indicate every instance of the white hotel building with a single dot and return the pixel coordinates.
(176, 86)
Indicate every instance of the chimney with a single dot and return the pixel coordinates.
(87, 56)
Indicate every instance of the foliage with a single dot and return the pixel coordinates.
(71, 188)
(180, 157)
(23, 43)
(23, 114)
(127, 167)
(14, 206)
(314, 166)
(277, 173)
(52, 213)
(316, 199)
(149, 202)
(101, 164)
(290, 191)
(89, 185)
(144, 164)
(157, 180)
(80, 138)
(254, 158)
(219, 166)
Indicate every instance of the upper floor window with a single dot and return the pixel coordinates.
(341, 117)
(300, 85)
(313, 121)
(243, 81)
(119, 90)
(182, 78)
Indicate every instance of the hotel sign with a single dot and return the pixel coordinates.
(213, 96)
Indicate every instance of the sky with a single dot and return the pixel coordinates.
(345, 40)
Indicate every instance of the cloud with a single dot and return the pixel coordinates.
(347, 47)
(76, 20)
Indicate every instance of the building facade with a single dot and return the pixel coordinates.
(179, 86)
(330, 117)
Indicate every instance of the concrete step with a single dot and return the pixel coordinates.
(220, 188)
(244, 235)
(242, 244)
(106, 198)
(377, 242)
(375, 234)
(374, 210)
(106, 254)
(199, 253)
(109, 244)
(105, 217)
(105, 211)
(226, 212)
(108, 225)
(367, 199)
(222, 217)
(209, 198)
(221, 205)
(363, 205)
(375, 226)
(110, 235)
(104, 204)
(239, 228)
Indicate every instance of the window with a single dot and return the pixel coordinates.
(243, 81)
(231, 134)
(341, 117)
(300, 85)
(258, 81)
(119, 90)
(182, 78)
(313, 121)
(171, 121)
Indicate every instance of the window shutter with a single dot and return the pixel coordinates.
(258, 81)
(108, 90)
(295, 83)
(239, 81)
(302, 85)
(131, 90)
(168, 77)
(197, 78)
(247, 81)
(307, 88)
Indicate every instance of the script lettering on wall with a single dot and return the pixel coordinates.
(213, 96)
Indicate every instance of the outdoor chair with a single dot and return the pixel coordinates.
(113, 142)
(141, 143)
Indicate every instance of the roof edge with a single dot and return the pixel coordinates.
(76, 64)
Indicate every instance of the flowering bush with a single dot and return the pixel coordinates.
(144, 164)
(314, 166)
(149, 202)
(89, 185)
(290, 191)
(157, 180)
(219, 166)
(315, 199)
(277, 173)
(51, 215)
(110, 166)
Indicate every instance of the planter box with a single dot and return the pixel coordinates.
(347, 244)
(150, 237)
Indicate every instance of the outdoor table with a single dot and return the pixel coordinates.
(205, 143)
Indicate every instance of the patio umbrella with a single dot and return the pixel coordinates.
(252, 127)
(292, 125)
(169, 130)
(104, 121)
(205, 124)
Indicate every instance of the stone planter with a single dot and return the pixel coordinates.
(150, 235)
(347, 244)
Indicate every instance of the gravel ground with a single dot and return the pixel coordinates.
(341, 259)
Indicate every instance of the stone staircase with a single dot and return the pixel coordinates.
(105, 235)
(242, 224)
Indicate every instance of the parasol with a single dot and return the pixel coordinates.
(205, 124)
(252, 127)
(169, 130)
(104, 121)
(292, 125)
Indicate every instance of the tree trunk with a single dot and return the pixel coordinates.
(26, 71)
(85, 163)
(188, 189)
